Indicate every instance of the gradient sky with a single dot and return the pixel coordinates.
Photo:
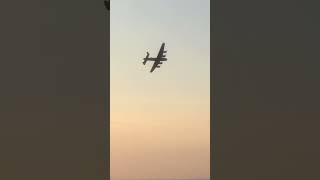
(160, 121)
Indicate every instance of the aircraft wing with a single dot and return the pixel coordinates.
(155, 65)
(160, 54)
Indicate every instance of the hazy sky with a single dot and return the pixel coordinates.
(160, 121)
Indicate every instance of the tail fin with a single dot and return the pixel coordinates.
(146, 59)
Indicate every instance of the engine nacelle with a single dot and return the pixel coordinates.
(158, 66)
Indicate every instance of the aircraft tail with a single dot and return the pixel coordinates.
(146, 59)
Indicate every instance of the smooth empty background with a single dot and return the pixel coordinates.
(265, 90)
(160, 121)
(54, 75)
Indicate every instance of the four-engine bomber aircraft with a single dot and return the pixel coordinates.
(158, 60)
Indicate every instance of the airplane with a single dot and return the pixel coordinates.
(158, 60)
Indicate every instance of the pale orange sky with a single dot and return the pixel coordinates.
(160, 122)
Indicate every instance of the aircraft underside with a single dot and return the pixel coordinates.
(158, 60)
